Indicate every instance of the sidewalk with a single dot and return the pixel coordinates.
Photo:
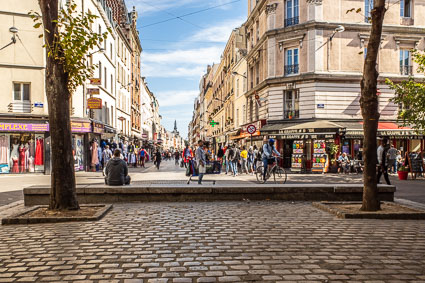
(215, 242)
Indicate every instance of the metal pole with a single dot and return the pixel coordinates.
(251, 139)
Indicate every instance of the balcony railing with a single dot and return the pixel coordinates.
(291, 69)
(406, 70)
(20, 107)
(291, 21)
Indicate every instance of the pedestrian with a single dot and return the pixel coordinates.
(142, 157)
(201, 160)
(177, 157)
(392, 156)
(244, 160)
(382, 161)
(269, 150)
(106, 155)
(251, 158)
(116, 173)
(398, 161)
(157, 159)
(187, 155)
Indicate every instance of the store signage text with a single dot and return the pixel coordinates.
(98, 128)
(80, 127)
(92, 91)
(94, 103)
(18, 127)
(95, 81)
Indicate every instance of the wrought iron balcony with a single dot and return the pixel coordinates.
(291, 21)
(291, 69)
(406, 70)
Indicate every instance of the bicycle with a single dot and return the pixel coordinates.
(279, 173)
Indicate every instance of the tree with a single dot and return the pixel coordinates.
(68, 40)
(410, 94)
(369, 109)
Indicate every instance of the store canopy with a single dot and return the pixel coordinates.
(385, 129)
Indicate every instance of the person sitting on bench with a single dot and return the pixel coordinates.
(116, 173)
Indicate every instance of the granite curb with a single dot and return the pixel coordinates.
(326, 206)
(19, 218)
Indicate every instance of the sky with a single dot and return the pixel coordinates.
(176, 52)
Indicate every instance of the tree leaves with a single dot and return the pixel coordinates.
(410, 96)
(73, 43)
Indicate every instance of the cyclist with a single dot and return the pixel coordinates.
(268, 150)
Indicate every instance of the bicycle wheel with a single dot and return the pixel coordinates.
(259, 174)
(280, 175)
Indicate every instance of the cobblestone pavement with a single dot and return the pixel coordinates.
(215, 242)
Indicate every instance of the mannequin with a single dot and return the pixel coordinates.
(21, 159)
(14, 155)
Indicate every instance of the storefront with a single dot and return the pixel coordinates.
(305, 147)
(80, 130)
(22, 147)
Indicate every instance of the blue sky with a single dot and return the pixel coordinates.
(176, 53)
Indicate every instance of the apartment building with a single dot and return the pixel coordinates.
(305, 61)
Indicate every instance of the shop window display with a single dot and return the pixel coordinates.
(26, 151)
(78, 151)
(4, 153)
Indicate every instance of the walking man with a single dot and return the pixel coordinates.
(392, 156)
(201, 160)
(382, 161)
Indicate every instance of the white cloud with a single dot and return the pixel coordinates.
(176, 98)
(145, 6)
(217, 33)
(190, 56)
(179, 63)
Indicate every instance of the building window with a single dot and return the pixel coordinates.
(368, 6)
(244, 114)
(21, 92)
(291, 61)
(291, 13)
(100, 70)
(292, 104)
(237, 87)
(405, 62)
(257, 73)
(237, 117)
(106, 77)
(405, 7)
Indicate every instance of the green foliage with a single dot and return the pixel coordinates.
(410, 95)
(403, 169)
(333, 150)
(73, 43)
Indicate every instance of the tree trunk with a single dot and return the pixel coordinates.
(370, 111)
(63, 192)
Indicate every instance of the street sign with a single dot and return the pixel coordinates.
(251, 129)
(320, 105)
(214, 123)
(95, 81)
(92, 91)
(144, 136)
(38, 104)
(94, 103)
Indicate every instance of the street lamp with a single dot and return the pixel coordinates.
(14, 32)
(237, 74)
(101, 50)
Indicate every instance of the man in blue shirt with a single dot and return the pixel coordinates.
(268, 150)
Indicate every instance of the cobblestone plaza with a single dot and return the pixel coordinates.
(215, 242)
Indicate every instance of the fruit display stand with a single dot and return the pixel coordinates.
(297, 156)
(320, 158)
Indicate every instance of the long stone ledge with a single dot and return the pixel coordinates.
(93, 194)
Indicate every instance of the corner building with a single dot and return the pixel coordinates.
(305, 62)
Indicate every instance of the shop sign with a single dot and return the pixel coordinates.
(92, 91)
(38, 104)
(20, 127)
(94, 103)
(144, 136)
(98, 128)
(95, 81)
(80, 127)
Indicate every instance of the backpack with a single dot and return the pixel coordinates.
(231, 153)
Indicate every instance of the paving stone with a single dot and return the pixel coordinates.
(215, 242)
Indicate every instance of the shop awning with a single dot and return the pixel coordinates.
(385, 129)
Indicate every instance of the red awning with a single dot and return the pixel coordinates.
(389, 126)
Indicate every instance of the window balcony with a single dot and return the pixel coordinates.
(291, 21)
(406, 70)
(291, 69)
(20, 107)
